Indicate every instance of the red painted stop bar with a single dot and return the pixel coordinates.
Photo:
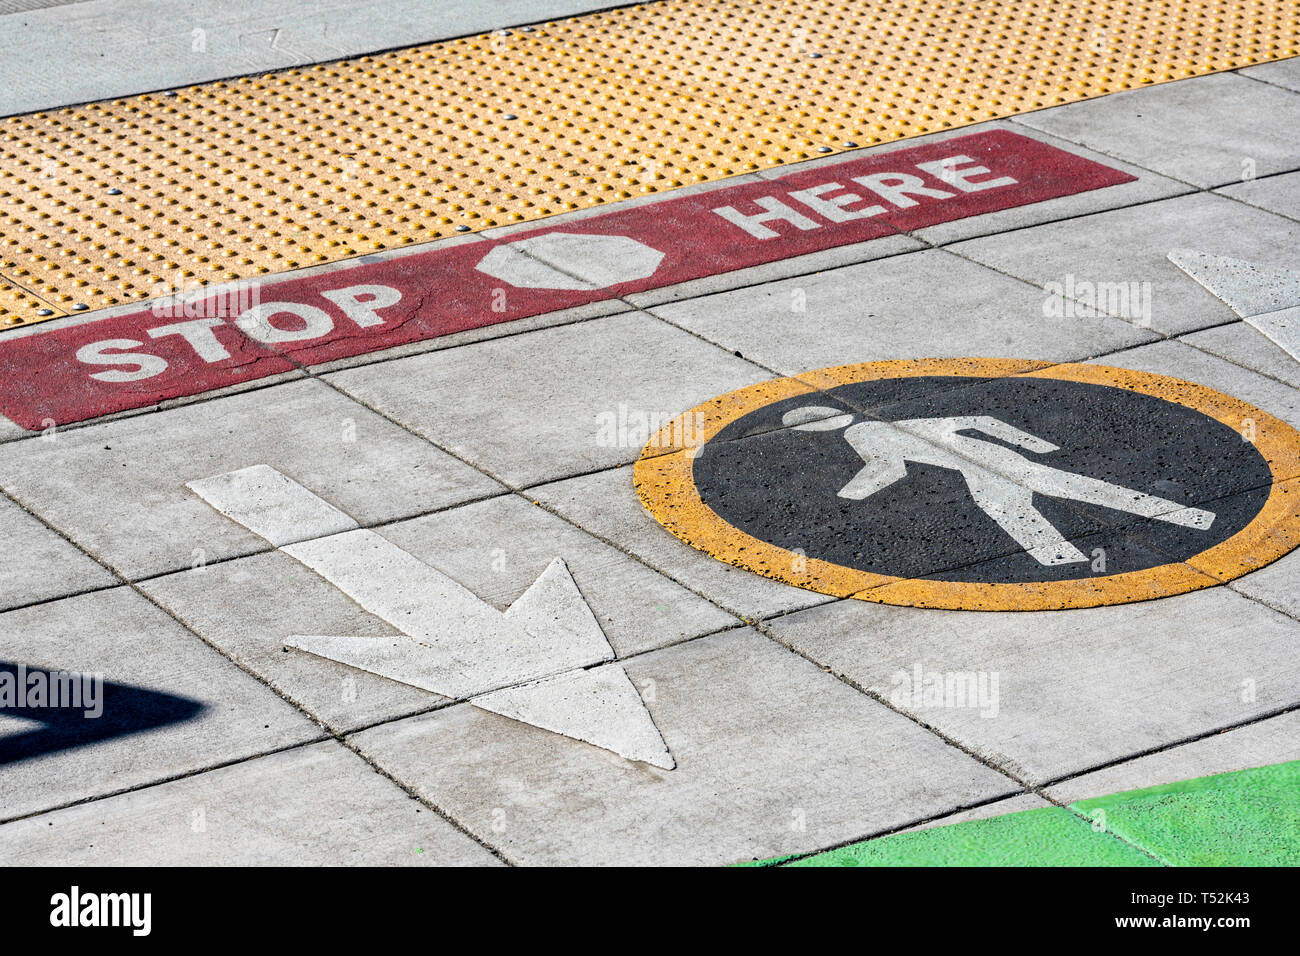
(175, 349)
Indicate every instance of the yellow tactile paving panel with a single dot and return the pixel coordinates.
(113, 201)
(19, 307)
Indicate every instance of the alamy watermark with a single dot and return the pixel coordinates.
(1084, 299)
(627, 427)
(21, 689)
(75, 908)
(920, 689)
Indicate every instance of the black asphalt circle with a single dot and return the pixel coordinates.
(791, 486)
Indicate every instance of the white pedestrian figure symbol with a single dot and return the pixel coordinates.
(1001, 481)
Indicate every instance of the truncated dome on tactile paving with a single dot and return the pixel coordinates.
(100, 204)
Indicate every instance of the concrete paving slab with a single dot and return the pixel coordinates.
(318, 805)
(768, 753)
(118, 488)
(1208, 130)
(1274, 584)
(22, 6)
(175, 706)
(11, 432)
(1021, 801)
(1068, 691)
(1246, 346)
(1245, 287)
(773, 756)
(553, 403)
(1264, 742)
(1279, 194)
(606, 504)
(888, 310)
(250, 606)
(1119, 257)
(1284, 73)
(1282, 328)
(41, 564)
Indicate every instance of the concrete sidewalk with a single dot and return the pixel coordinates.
(481, 453)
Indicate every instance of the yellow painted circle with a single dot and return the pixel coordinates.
(665, 483)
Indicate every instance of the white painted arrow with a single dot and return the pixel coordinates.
(1267, 299)
(528, 663)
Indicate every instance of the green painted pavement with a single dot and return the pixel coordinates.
(1048, 836)
(1243, 818)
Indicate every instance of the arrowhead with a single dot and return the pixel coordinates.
(549, 629)
(1247, 288)
(554, 610)
(1282, 327)
(460, 645)
(599, 706)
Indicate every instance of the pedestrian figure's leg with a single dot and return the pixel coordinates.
(1066, 484)
(1012, 507)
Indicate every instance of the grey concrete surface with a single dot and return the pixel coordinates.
(502, 407)
(1207, 131)
(606, 504)
(1128, 246)
(318, 805)
(249, 607)
(1274, 584)
(498, 548)
(924, 304)
(120, 635)
(25, 6)
(123, 47)
(118, 489)
(40, 564)
(9, 431)
(774, 756)
(1285, 73)
(1276, 740)
(1279, 194)
(1248, 347)
(1016, 804)
(1076, 689)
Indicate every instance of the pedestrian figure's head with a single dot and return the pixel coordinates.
(816, 418)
